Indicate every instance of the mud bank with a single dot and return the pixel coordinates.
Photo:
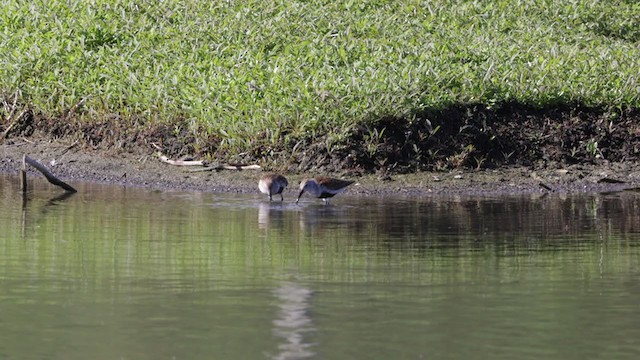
(74, 163)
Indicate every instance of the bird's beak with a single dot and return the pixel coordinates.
(301, 192)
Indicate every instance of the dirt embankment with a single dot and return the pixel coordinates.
(464, 149)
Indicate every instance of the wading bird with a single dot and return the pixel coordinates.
(272, 184)
(323, 187)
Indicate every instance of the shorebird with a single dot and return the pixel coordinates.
(323, 187)
(272, 184)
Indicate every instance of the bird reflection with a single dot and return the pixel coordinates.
(318, 217)
(293, 321)
(270, 214)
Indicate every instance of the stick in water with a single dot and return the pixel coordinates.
(23, 175)
(50, 177)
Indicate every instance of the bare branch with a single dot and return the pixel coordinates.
(48, 175)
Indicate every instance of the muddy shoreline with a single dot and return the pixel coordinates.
(74, 163)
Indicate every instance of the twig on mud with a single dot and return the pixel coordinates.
(71, 146)
(165, 159)
(608, 180)
(227, 167)
(545, 186)
(47, 174)
(217, 167)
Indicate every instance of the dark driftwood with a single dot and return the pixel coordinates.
(50, 177)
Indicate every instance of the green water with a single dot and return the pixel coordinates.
(126, 273)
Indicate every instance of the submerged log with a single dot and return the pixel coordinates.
(47, 174)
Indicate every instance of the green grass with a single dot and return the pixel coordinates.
(282, 71)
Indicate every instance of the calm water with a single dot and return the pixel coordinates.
(124, 273)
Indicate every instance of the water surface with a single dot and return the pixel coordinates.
(126, 273)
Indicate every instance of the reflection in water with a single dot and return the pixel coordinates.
(42, 209)
(184, 274)
(293, 321)
(318, 217)
(270, 214)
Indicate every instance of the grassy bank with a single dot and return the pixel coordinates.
(292, 81)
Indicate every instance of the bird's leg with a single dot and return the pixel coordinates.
(281, 197)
